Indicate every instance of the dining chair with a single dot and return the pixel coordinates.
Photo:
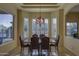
(23, 45)
(34, 45)
(56, 43)
(45, 46)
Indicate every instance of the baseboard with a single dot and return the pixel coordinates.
(67, 51)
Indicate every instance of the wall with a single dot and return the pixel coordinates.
(10, 8)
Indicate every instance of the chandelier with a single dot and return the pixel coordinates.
(40, 19)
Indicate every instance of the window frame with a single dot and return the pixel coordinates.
(13, 24)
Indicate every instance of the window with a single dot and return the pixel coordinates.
(35, 27)
(71, 28)
(26, 27)
(54, 27)
(6, 28)
(46, 27)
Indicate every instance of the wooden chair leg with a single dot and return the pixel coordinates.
(31, 52)
(49, 51)
(30, 49)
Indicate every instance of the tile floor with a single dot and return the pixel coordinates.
(16, 52)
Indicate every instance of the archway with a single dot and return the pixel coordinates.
(72, 29)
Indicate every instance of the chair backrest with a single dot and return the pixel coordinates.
(41, 36)
(45, 43)
(34, 43)
(34, 35)
(21, 41)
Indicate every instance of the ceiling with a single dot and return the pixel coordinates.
(75, 9)
(40, 7)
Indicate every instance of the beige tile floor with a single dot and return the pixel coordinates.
(16, 52)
